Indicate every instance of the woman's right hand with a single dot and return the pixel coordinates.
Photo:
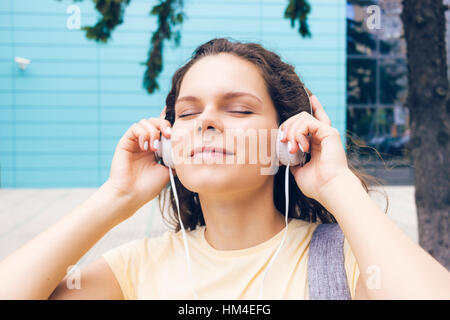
(134, 170)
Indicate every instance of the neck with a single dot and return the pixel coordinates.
(242, 219)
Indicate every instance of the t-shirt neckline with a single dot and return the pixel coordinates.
(246, 251)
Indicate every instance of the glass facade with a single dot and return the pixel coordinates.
(377, 82)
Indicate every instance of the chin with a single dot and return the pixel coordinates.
(208, 178)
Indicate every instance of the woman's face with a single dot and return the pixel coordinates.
(242, 125)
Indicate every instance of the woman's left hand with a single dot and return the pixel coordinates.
(328, 159)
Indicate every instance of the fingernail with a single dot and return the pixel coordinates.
(168, 130)
(289, 146)
(146, 145)
(156, 144)
(301, 148)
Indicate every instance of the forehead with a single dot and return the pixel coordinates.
(211, 76)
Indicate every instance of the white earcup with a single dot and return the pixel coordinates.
(164, 152)
(285, 157)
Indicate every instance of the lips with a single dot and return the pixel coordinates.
(210, 149)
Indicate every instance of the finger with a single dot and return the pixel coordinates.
(138, 133)
(297, 142)
(306, 124)
(284, 128)
(153, 134)
(162, 125)
(156, 126)
(300, 142)
(318, 111)
(318, 130)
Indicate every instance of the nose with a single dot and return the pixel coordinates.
(200, 128)
(209, 119)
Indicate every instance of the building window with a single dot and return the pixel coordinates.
(377, 84)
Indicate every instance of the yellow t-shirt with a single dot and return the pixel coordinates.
(156, 268)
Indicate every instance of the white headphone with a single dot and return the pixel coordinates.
(164, 153)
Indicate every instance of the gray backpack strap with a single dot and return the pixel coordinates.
(327, 279)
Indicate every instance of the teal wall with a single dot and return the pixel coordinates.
(61, 118)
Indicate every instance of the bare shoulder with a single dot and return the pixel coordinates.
(96, 282)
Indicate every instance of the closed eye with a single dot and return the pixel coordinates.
(190, 114)
(185, 115)
(245, 112)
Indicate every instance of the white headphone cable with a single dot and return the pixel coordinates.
(188, 260)
(286, 188)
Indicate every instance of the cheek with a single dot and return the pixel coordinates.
(259, 146)
(182, 143)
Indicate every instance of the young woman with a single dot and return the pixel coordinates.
(233, 213)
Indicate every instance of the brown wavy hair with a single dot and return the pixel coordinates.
(285, 89)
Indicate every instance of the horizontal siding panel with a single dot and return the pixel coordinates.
(321, 71)
(323, 12)
(124, 100)
(57, 178)
(7, 161)
(55, 54)
(5, 6)
(243, 10)
(220, 25)
(6, 36)
(6, 84)
(111, 69)
(60, 38)
(56, 84)
(73, 37)
(125, 54)
(59, 115)
(329, 57)
(6, 114)
(6, 99)
(55, 21)
(116, 130)
(330, 84)
(59, 130)
(317, 42)
(7, 179)
(48, 146)
(6, 146)
(127, 114)
(101, 69)
(56, 98)
(119, 84)
(8, 68)
(61, 118)
(50, 6)
(58, 22)
(41, 68)
(6, 52)
(131, 38)
(139, 8)
(6, 130)
(56, 161)
(324, 27)
(108, 146)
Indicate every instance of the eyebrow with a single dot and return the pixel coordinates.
(226, 95)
